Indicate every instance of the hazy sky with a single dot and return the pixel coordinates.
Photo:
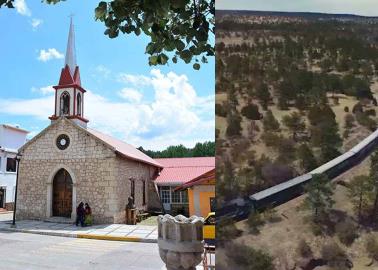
(360, 7)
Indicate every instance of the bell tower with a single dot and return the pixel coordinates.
(69, 95)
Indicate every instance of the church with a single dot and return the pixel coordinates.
(68, 162)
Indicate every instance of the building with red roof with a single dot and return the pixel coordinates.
(177, 172)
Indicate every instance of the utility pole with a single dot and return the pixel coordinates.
(17, 158)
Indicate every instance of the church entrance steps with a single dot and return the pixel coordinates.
(112, 232)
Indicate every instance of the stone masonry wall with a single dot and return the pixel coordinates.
(101, 176)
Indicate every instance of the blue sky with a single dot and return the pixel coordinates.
(359, 7)
(149, 106)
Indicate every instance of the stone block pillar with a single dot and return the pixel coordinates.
(180, 241)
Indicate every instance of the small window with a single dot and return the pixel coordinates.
(144, 192)
(184, 196)
(132, 188)
(78, 104)
(65, 104)
(11, 165)
(176, 196)
(165, 194)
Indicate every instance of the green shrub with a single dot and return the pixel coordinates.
(248, 258)
(255, 221)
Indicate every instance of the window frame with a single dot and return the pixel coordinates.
(15, 165)
(132, 188)
(78, 104)
(62, 102)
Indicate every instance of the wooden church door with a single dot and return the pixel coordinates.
(62, 194)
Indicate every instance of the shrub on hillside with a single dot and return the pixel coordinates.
(335, 256)
(248, 258)
(226, 230)
(358, 108)
(371, 246)
(303, 249)
(347, 232)
(271, 139)
(255, 221)
(220, 110)
(251, 111)
(371, 112)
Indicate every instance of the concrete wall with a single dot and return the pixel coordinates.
(10, 140)
(199, 199)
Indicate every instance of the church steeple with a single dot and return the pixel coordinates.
(70, 60)
(69, 95)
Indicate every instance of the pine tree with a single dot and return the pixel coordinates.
(294, 122)
(306, 156)
(263, 94)
(270, 122)
(319, 197)
(359, 190)
(374, 182)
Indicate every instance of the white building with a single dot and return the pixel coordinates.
(11, 139)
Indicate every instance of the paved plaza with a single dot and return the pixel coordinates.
(20, 251)
(119, 232)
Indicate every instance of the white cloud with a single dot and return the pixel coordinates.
(52, 53)
(176, 115)
(131, 94)
(44, 90)
(136, 80)
(36, 23)
(104, 71)
(22, 8)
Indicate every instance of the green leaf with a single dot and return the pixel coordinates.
(179, 3)
(196, 66)
(179, 45)
(163, 59)
(153, 60)
(100, 11)
(137, 31)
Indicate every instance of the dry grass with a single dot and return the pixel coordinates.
(286, 234)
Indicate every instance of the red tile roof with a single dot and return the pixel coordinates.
(208, 176)
(178, 171)
(124, 149)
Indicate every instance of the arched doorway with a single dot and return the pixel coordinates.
(62, 194)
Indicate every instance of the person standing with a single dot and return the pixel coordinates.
(88, 215)
(80, 213)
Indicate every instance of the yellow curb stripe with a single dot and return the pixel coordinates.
(109, 237)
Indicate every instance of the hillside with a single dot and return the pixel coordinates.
(291, 94)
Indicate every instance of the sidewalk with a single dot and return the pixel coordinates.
(117, 232)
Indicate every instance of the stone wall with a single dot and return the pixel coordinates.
(100, 177)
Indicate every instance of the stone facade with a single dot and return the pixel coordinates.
(100, 176)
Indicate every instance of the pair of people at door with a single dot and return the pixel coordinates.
(83, 215)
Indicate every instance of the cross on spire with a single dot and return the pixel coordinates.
(71, 50)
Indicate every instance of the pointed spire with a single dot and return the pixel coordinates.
(71, 51)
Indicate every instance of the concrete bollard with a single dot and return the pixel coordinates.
(180, 241)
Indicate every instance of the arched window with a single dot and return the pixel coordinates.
(78, 104)
(65, 104)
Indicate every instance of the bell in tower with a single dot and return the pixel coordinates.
(69, 95)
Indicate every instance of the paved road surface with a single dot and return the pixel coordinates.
(20, 251)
